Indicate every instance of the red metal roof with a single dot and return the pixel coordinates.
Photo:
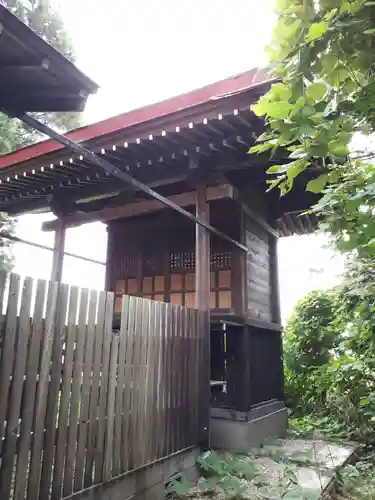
(217, 90)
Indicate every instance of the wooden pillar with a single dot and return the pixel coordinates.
(58, 253)
(274, 281)
(202, 287)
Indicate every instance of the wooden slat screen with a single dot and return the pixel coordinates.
(81, 403)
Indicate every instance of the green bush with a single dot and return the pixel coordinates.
(329, 355)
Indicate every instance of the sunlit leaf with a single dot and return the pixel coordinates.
(295, 168)
(316, 91)
(278, 109)
(317, 185)
(275, 169)
(316, 31)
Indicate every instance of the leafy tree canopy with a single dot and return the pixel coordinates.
(322, 52)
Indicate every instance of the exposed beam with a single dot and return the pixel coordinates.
(120, 175)
(16, 239)
(138, 208)
(259, 220)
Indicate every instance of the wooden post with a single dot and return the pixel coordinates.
(274, 278)
(58, 253)
(202, 287)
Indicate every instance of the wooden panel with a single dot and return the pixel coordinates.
(224, 279)
(85, 393)
(109, 431)
(159, 283)
(8, 351)
(258, 272)
(147, 285)
(103, 413)
(64, 395)
(15, 394)
(34, 354)
(190, 281)
(213, 280)
(75, 395)
(132, 286)
(42, 392)
(190, 300)
(159, 297)
(213, 300)
(225, 300)
(54, 392)
(118, 304)
(176, 282)
(120, 286)
(94, 390)
(176, 298)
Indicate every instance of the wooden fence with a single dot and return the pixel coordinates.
(80, 403)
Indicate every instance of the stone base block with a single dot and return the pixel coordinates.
(148, 483)
(270, 421)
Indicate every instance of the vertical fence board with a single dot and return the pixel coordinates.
(29, 392)
(118, 458)
(54, 392)
(14, 401)
(76, 394)
(155, 332)
(159, 390)
(135, 381)
(94, 393)
(7, 352)
(103, 387)
(148, 365)
(108, 453)
(42, 392)
(85, 393)
(168, 379)
(128, 312)
(65, 396)
(185, 377)
(142, 385)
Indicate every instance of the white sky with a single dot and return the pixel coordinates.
(140, 51)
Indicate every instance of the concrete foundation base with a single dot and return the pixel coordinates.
(148, 483)
(239, 432)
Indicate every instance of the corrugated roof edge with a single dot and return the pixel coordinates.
(218, 90)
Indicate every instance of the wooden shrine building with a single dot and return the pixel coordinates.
(193, 150)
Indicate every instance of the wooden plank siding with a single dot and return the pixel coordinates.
(153, 256)
(258, 272)
(82, 403)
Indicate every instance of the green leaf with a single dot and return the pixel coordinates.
(260, 148)
(337, 148)
(260, 108)
(369, 31)
(316, 91)
(317, 185)
(316, 31)
(280, 91)
(295, 168)
(278, 109)
(275, 169)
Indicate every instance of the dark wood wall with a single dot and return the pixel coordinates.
(258, 271)
(154, 256)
